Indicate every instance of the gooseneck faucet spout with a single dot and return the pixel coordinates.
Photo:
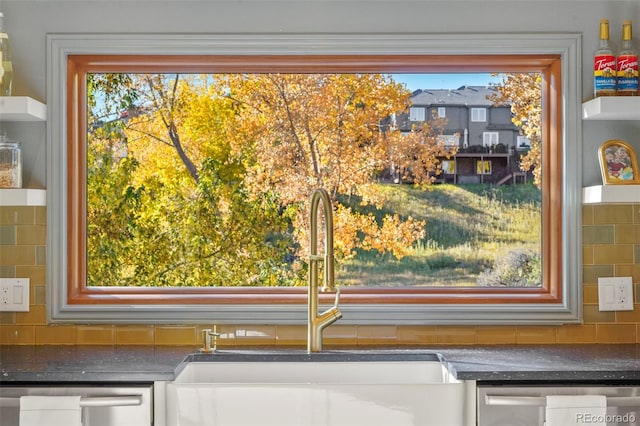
(319, 321)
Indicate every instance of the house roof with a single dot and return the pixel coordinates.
(464, 95)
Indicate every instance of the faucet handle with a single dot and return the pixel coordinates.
(337, 299)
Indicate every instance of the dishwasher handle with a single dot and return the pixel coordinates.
(89, 401)
(540, 401)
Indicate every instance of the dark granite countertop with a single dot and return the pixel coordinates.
(509, 364)
(89, 363)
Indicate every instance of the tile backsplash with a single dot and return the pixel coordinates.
(610, 247)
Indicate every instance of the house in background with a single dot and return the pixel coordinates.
(489, 144)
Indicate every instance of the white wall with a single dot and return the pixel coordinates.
(28, 22)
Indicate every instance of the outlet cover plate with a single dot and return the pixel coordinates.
(14, 294)
(615, 294)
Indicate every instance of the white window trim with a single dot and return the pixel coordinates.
(567, 45)
(479, 115)
(417, 114)
(442, 112)
(490, 138)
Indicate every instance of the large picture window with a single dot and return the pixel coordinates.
(131, 117)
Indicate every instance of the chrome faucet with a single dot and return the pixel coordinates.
(318, 321)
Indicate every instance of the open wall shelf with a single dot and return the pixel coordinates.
(21, 108)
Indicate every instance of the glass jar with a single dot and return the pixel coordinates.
(10, 163)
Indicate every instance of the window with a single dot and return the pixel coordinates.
(483, 168)
(442, 112)
(416, 114)
(448, 167)
(478, 115)
(449, 140)
(523, 143)
(490, 139)
(557, 300)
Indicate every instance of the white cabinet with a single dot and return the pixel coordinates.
(22, 109)
(612, 108)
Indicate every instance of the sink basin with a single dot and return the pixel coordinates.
(325, 390)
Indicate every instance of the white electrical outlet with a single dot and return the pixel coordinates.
(14, 294)
(615, 294)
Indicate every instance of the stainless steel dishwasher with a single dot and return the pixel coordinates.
(121, 405)
(525, 405)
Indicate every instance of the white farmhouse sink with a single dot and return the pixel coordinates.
(315, 392)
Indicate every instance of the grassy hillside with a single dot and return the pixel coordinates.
(469, 227)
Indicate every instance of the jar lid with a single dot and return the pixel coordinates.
(5, 141)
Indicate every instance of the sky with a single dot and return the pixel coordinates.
(444, 81)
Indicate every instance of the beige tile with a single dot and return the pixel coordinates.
(135, 335)
(55, 335)
(7, 317)
(39, 294)
(293, 335)
(37, 315)
(17, 255)
(13, 215)
(37, 274)
(95, 335)
(41, 215)
(613, 213)
(587, 215)
(250, 335)
(456, 335)
(627, 234)
(341, 335)
(613, 254)
(7, 271)
(577, 333)
(31, 235)
(616, 333)
(591, 273)
(592, 315)
(590, 294)
(8, 235)
(178, 335)
(600, 234)
(628, 316)
(14, 334)
(587, 254)
(41, 255)
(417, 335)
(496, 335)
(636, 213)
(377, 335)
(536, 334)
(627, 270)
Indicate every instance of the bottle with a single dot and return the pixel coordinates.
(6, 67)
(627, 64)
(604, 64)
(10, 163)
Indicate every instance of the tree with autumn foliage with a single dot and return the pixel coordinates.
(166, 200)
(212, 174)
(523, 91)
(326, 130)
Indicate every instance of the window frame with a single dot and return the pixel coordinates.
(417, 113)
(557, 302)
(478, 115)
(490, 139)
(484, 167)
